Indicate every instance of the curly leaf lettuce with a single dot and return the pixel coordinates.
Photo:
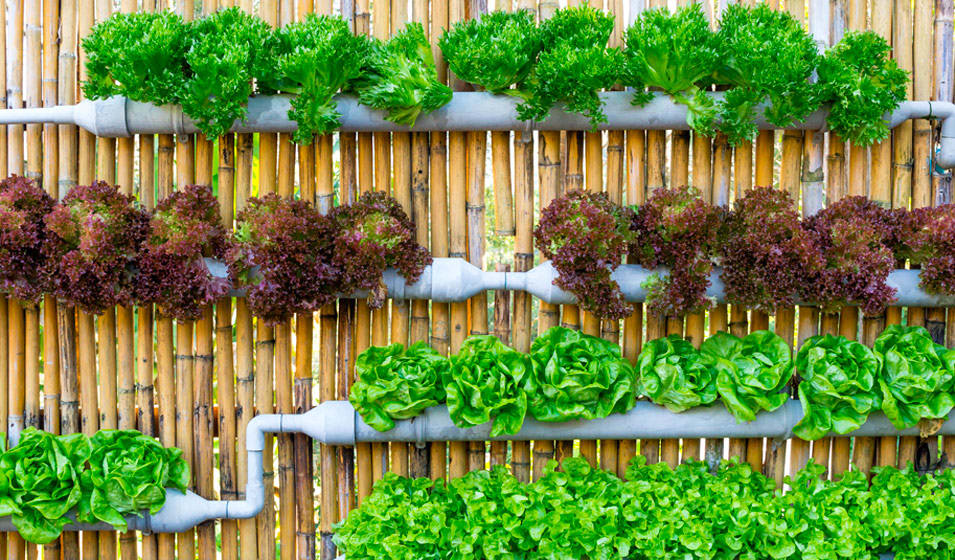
(400, 77)
(675, 374)
(576, 376)
(40, 482)
(397, 383)
(752, 371)
(838, 387)
(917, 376)
(486, 514)
(486, 382)
(128, 474)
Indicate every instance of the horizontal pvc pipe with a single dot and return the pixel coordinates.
(455, 279)
(337, 423)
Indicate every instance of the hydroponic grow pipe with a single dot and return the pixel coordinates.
(121, 117)
(455, 279)
(337, 423)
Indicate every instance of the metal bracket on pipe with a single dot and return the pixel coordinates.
(120, 117)
(455, 280)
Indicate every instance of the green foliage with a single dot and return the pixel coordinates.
(112, 475)
(495, 51)
(141, 56)
(395, 383)
(838, 387)
(128, 474)
(675, 52)
(486, 382)
(575, 376)
(917, 376)
(228, 50)
(675, 374)
(751, 371)
(319, 57)
(574, 65)
(684, 513)
(765, 55)
(399, 77)
(860, 82)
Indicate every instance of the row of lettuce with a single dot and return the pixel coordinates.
(770, 258)
(681, 514)
(98, 479)
(572, 376)
(98, 248)
(757, 56)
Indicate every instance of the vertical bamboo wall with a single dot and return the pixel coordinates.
(197, 384)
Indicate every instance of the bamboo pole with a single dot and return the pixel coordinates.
(89, 420)
(635, 157)
(476, 153)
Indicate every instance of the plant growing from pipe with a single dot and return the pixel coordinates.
(574, 64)
(371, 235)
(23, 233)
(397, 383)
(752, 372)
(838, 386)
(675, 374)
(496, 51)
(575, 376)
(184, 229)
(929, 242)
(283, 251)
(485, 383)
(585, 237)
(94, 240)
(917, 377)
(400, 77)
(677, 229)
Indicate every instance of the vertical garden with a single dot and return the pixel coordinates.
(634, 279)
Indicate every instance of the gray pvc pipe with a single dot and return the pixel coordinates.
(337, 423)
(455, 280)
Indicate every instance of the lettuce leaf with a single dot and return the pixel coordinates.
(752, 371)
(575, 376)
(838, 387)
(396, 383)
(486, 382)
(675, 374)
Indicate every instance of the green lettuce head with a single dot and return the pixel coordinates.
(917, 376)
(838, 387)
(41, 482)
(751, 371)
(397, 383)
(129, 473)
(575, 376)
(486, 381)
(675, 374)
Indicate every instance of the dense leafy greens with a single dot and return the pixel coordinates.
(141, 56)
(495, 51)
(40, 482)
(575, 376)
(860, 82)
(128, 473)
(928, 236)
(574, 65)
(486, 382)
(917, 376)
(319, 57)
(838, 385)
(764, 55)
(400, 77)
(395, 383)
(685, 513)
(585, 236)
(184, 229)
(228, 49)
(675, 374)
(751, 371)
(677, 53)
(23, 206)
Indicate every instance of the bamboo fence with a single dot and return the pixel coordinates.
(473, 195)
